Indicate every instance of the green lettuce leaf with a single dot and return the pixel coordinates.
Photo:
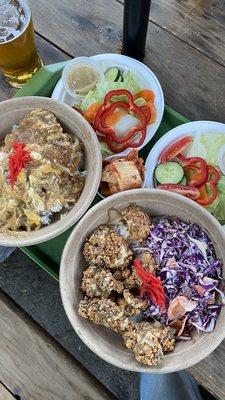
(217, 208)
(105, 150)
(196, 149)
(130, 82)
(207, 147)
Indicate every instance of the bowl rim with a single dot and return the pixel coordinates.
(74, 318)
(15, 239)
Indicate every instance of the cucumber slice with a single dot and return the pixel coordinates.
(112, 74)
(183, 181)
(170, 172)
(119, 78)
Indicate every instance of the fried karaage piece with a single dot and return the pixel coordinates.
(104, 312)
(121, 274)
(99, 282)
(165, 335)
(138, 223)
(148, 263)
(107, 249)
(146, 347)
(148, 341)
(133, 305)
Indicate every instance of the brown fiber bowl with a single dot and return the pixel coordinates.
(11, 113)
(105, 343)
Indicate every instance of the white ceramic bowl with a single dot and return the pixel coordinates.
(11, 113)
(105, 343)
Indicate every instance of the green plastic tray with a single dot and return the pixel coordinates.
(47, 255)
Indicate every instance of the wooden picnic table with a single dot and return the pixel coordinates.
(186, 50)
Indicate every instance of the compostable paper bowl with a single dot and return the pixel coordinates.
(105, 343)
(11, 113)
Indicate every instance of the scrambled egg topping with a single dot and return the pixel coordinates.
(50, 184)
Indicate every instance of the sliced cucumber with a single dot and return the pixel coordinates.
(112, 74)
(170, 172)
(119, 78)
(183, 181)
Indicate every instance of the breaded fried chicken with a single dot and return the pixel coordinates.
(104, 312)
(138, 223)
(99, 282)
(107, 249)
(148, 341)
(146, 347)
(133, 305)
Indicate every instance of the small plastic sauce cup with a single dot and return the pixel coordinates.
(73, 80)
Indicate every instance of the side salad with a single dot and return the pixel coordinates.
(189, 167)
(120, 110)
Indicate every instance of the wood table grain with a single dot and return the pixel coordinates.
(33, 366)
(185, 48)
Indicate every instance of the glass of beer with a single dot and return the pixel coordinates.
(18, 55)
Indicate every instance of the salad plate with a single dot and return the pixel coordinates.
(137, 77)
(207, 142)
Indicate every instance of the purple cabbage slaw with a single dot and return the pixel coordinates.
(188, 267)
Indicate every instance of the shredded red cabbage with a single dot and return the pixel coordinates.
(188, 267)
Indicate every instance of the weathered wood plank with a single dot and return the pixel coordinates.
(35, 367)
(193, 84)
(199, 23)
(5, 394)
(49, 54)
(210, 373)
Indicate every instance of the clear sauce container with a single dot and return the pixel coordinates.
(81, 75)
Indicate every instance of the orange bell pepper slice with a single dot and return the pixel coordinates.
(91, 112)
(150, 105)
(146, 94)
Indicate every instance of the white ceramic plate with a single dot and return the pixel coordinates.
(146, 76)
(196, 128)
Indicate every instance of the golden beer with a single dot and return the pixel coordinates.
(18, 56)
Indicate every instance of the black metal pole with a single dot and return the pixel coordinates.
(135, 26)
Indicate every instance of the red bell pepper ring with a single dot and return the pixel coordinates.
(208, 191)
(117, 148)
(107, 108)
(196, 175)
(185, 190)
(207, 198)
(191, 160)
(214, 175)
(110, 130)
(115, 93)
(175, 148)
(195, 168)
(151, 286)
(147, 112)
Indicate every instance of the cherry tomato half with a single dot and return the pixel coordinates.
(185, 190)
(175, 148)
